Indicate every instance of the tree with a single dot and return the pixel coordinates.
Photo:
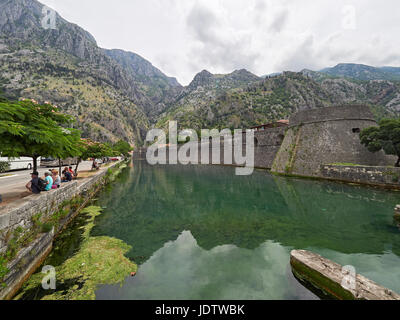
(122, 148)
(32, 130)
(92, 149)
(386, 137)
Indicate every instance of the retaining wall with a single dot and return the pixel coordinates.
(385, 176)
(20, 214)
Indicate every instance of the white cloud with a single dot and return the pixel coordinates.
(183, 37)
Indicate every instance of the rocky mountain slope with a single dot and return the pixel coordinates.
(197, 97)
(278, 97)
(66, 67)
(160, 89)
(117, 94)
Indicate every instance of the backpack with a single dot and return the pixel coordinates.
(42, 184)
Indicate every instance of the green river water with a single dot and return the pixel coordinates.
(200, 232)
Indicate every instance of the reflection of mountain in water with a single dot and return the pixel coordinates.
(181, 269)
(150, 206)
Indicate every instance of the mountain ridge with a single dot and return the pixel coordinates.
(31, 62)
(116, 94)
(363, 72)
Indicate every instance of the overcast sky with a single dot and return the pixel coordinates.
(183, 37)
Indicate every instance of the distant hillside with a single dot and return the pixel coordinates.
(117, 94)
(363, 72)
(201, 92)
(280, 96)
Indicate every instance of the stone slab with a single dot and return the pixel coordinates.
(335, 280)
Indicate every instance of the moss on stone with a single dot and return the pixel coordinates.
(100, 260)
(320, 282)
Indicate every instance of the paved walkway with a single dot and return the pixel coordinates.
(12, 184)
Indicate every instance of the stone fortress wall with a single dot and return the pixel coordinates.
(266, 146)
(327, 136)
(313, 139)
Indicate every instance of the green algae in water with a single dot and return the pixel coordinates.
(92, 261)
(200, 232)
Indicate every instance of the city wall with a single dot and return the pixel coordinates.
(327, 136)
(313, 140)
(384, 176)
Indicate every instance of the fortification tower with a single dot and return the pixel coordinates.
(325, 136)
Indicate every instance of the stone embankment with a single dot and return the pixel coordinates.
(379, 176)
(335, 281)
(29, 226)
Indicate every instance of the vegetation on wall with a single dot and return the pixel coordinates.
(385, 137)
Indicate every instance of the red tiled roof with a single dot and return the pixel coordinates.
(280, 123)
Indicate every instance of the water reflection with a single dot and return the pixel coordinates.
(184, 270)
(246, 217)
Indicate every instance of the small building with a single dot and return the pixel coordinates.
(277, 124)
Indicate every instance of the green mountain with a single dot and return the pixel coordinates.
(117, 94)
(200, 94)
(363, 72)
(277, 97)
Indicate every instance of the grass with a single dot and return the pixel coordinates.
(6, 175)
(355, 165)
(346, 164)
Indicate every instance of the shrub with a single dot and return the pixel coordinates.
(3, 270)
(4, 166)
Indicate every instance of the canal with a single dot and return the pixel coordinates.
(201, 232)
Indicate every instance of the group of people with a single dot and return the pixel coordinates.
(51, 180)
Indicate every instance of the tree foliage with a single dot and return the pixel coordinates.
(30, 129)
(122, 148)
(385, 137)
(92, 149)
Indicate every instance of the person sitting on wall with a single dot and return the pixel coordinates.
(56, 179)
(48, 181)
(95, 165)
(33, 185)
(67, 175)
(73, 173)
